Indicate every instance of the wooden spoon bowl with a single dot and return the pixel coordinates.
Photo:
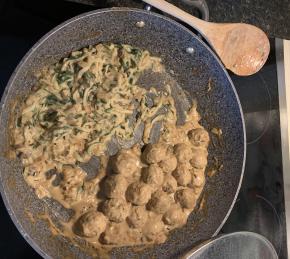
(243, 48)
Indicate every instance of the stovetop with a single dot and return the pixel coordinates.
(260, 204)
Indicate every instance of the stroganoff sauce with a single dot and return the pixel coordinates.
(141, 193)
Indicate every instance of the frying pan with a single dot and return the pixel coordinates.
(193, 64)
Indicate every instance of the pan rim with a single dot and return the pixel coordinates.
(36, 45)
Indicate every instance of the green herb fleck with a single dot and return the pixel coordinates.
(133, 63)
(64, 76)
(76, 131)
(77, 116)
(136, 52)
(50, 116)
(51, 100)
(19, 122)
(124, 65)
(88, 76)
(84, 120)
(36, 144)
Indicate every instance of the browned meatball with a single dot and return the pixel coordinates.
(138, 217)
(199, 159)
(115, 186)
(112, 234)
(126, 164)
(169, 164)
(186, 198)
(199, 137)
(138, 193)
(116, 234)
(116, 209)
(182, 152)
(182, 174)
(198, 181)
(154, 153)
(175, 216)
(160, 202)
(198, 178)
(170, 184)
(154, 230)
(91, 224)
(153, 175)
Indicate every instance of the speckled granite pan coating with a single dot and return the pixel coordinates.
(219, 108)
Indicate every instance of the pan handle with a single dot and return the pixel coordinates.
(200, 5)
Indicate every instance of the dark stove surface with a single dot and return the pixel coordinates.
(260, 205)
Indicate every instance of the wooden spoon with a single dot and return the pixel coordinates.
(243, 48)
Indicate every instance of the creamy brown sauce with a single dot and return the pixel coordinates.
(139, 195)
(139, 207)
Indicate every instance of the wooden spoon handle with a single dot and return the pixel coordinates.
(166, 7)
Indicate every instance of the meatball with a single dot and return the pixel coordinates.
(182, 174)
(198, 181)
(115, 186)
(159, 202)
(154, 231)
(169, 184)
(126, 164)
(186, 198)
(169, 164)
(199, 159)
(153, 175)
(199, 137)
(198, 178)
(138, 217)
(116, 209)
(175, 217)
(71, 183)
(91, 224)
(138, 193)
(154, 153)
(182, 152)
(112, 234)
(117, 234)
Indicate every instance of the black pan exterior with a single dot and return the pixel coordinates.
(219, 107)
